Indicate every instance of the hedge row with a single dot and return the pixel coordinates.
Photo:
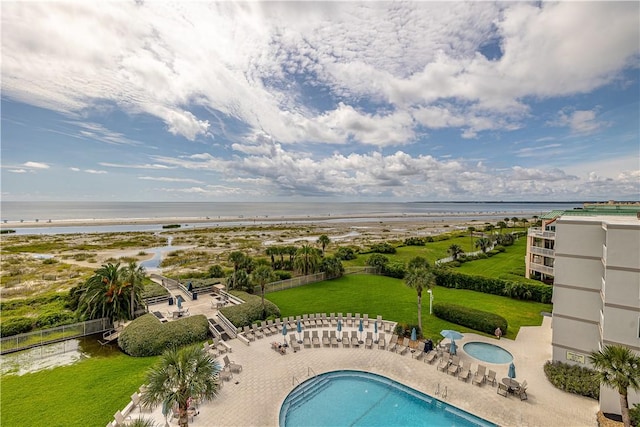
(479, 320)
(573, 379)
(47, 319)
(147, 336)
(523, 291)
(249, 312)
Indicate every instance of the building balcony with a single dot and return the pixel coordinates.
(541, 268)
(540, 233)
(542, 251)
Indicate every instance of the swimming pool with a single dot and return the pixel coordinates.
(356, 398)
(487, 352)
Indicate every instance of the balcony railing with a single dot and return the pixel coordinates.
(538, 232)
(542, 251)
(541, 268)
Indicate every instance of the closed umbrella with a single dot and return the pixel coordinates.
(179, 298)
(414, 334)
(339, 329)
(284, 332)
(453, 348)
(299, 329)
(375, 330)
(512, 371)
(360, 329)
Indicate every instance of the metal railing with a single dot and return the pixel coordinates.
(58, 334)
(538, 232)
(542, 251)
(541, 268)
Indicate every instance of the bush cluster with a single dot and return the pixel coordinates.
(404, 330)
(383, 248)
(479, 320)
(146, 336)
(523, 291)
(51, 318)
(635, 415)
(249, 312)
(345, 253)
(414, 241)
(573, 379)
(15, 326)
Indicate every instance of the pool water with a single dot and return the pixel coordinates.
(355, 398)
(487, 352)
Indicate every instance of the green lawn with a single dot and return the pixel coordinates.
(86, 393)
(392, 299)
(508, 265)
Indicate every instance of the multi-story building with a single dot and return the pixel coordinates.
(541, 248)
(596, 295)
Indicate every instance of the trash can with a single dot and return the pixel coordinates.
(195, 295)
(170, 300)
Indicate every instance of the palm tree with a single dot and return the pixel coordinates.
(618, 368)
(179, 376)
(237, 258)
(455, 251)
(471, 230)
(133, 276)
(332, 266)
(501, 225)
(514, 220)
(103, 296)
(261, 276)
(306, 260)
(419, 278)
(324, 241)
(483, 244)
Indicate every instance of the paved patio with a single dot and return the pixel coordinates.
(254, 396)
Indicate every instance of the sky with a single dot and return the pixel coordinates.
(312, 101)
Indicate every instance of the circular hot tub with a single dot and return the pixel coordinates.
(486, 352)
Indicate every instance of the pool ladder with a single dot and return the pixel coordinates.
(444, 392)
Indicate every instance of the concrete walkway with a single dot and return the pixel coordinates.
(254, 396)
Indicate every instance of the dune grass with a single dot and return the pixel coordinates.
(86, 393)
(392, 299)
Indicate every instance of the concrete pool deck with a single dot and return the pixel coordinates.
(254, 396)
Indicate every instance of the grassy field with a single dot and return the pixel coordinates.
(86, 393)
(392, 299)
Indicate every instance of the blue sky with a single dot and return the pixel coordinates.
(353, 101)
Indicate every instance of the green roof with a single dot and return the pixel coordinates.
(596, 210)
(551, 215)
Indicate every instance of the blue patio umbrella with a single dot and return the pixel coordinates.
(339, 329)
(284, 330)
(414, 335)
(375, 330)
(452, 335)
(360, 329)
(179, 299)
(453, 348)
(299, 329)
(512, 370)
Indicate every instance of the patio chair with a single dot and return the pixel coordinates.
(293, 342)
(305, 321)
(221, 348)
(365, 320)
(479, 376)
(325, 321)
(333, 320)
(393, 343)
(315, 339)
(313, 322)
(291, 323)
(232, 366)
(368, 342)
(272, 327)
(265, 328)
(502, 390)
(349, 320)
(491, 377)
(522, 391)
(464, 373)
(443, 364)
(225, 375)
(430, 356)
(388, 326)
(354, 339)
(419, 353)
(382, 343)
(135, 398)
(325, 339)
(356, 320)
(454, 365)
(402, 349)
(121, 420)
(248, 333)
(334, 339)
(306, 341)
(257, 332)
(345, 339)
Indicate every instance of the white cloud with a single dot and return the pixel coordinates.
(170, 179)
(35, 165)
(17, 170)
(74, 169)
(95, 172)
(134, 166)
(579, 121)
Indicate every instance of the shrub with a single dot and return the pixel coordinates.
(383, 248)
(345, 253)
(573, 379)
(396, 270)
(479, 320)
(524, 291)
(404, 330)
(216, 271)
(635, 415)
(282, 275)
(146, 336)
(15, 326)
(249, 312)
(414, 241)
(49, 319)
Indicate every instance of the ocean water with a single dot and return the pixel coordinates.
(11, 212)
